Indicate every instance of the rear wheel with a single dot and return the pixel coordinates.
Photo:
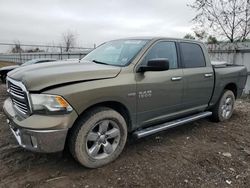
(98, 138)
(224, 108)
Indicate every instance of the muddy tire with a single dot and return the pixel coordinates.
(223, 110)
(98, 138)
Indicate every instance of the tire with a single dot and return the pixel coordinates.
(223, 110)
(98, 138)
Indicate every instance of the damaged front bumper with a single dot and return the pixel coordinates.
(40, 133)
(45, 141)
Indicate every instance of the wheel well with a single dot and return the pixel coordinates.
(117, 106)
(233, 88)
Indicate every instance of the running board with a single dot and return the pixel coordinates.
(162, 127)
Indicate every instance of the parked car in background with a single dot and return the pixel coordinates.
(140, 86)
(5, 70)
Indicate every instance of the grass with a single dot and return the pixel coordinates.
(5, 63)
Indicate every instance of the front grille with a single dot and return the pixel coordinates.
(16, 90)
(18, 96)
(20, 105)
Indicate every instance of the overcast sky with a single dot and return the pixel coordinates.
(93, 21)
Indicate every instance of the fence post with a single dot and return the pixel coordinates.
(61, 52)
(20, 55)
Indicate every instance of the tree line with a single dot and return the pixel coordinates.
(224, 20)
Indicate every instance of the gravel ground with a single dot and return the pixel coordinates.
(200, 154)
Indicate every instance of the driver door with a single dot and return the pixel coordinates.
(159, 93)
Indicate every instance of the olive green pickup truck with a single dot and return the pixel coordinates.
(137, 86)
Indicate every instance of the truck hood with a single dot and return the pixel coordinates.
(40, 76)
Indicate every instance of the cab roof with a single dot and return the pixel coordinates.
(154, 38)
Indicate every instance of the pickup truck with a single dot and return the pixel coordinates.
(133, 86)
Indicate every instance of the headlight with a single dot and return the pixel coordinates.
(43, 103)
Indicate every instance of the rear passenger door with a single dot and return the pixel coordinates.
(198, 77)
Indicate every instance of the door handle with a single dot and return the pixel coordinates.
(176, 78)
(208, 75)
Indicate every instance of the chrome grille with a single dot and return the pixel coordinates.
(21, 106)
(18, 96)
(17, 91)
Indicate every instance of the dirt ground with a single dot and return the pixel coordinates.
(200, 154)
(4, 63)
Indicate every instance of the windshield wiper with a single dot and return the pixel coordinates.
(99, 62)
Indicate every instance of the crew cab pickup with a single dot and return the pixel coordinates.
(138, 86)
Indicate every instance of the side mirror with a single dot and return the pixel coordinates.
(159, 64)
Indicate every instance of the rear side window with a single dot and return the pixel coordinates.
(163, 50)
(192, 55)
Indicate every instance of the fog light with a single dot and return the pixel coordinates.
(33, 141)
(8, 121)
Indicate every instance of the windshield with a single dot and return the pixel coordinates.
(117, 53)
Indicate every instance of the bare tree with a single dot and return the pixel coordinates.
(17, 47)
(69, 40)
(212, 40)
(245, 25)
(200, 34)
(189, 36)
(225, 18)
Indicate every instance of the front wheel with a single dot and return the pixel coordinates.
(223, 110)
(98, 138)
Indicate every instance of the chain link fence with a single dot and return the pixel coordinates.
(233, 53)
(20, 58)
(20, 53)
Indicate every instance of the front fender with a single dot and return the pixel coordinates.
(84, 95)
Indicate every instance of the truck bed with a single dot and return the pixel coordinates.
(228, 74)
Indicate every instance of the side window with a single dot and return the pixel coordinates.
(192, 55)
(163, 50)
